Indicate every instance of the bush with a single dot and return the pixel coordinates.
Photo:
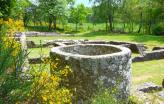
(11, 59)
(34, 86)
(10, 49)
(46, 88)
(159, 29)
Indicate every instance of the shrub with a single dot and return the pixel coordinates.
(11, 59)
(158, 29)
(46, 88)
(10, 49)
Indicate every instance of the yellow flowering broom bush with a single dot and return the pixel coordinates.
(40, 87)
(11, 58)
(10, 49)
(48, 88)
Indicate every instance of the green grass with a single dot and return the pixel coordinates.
(149, 71)
(37, 52)
(150, 40)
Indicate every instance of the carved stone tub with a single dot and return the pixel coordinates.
(96, 65)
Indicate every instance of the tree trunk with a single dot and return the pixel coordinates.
(132, 27)
(110, 23)
(149, 27)
(50, 23)
(55, 27)
(76, 26)
(112, 16)
(140, 26)
(106, 25)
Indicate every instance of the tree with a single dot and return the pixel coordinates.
(78, 14)
(53, 9)
(107, 9)
(6, 8)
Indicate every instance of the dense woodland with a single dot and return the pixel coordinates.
(124, 16)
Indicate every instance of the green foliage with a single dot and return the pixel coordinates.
(104, 97)
(11, 61)
(78, 14)
(158, 29)
(20, 8)
(53, 10)
(13, 89)
(6, 8)
(130, 13)
(10, 49)
(32, 86)
(53, 7)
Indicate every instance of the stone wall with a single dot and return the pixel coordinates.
(158, 48)
(21, 37)
(134, 47)
(154, 55)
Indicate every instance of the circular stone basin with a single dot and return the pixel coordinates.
(90, 50)
(94, 65)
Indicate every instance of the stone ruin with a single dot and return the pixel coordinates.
(156, 54)
(87, 65)
(21, 37)
(93, 64)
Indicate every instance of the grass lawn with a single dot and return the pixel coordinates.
(150, 71)
(146, 39)
(37, 52)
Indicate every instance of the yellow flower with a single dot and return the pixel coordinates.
(44, 98)
(50, 102)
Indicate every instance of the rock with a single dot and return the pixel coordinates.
(161, 94)
(30, 44)
(22, 39)
(158, 54)
(134, 47)
(149, 87)
(95, 63)
(55, 44)
(35, 61)
(96, 42)
(158, 48)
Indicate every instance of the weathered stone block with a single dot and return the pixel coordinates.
(154, 55)
(94, 63)
(149, 87)
(158, 48)
(134, 47)
(31, 44)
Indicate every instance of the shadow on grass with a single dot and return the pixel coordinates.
(38, 28)
(72, 32)
(95, 34)
(43, 29)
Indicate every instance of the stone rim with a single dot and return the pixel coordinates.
(123, 51)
